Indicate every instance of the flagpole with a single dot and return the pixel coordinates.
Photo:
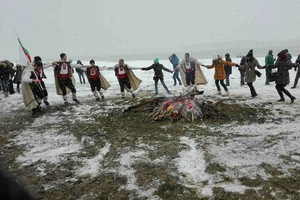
(39, 84)
(22, 47)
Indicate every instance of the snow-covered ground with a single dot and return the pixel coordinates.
(241, 149)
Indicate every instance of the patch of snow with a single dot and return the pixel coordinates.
(92, 166)
(49, 146)
(126, 161)
(191, 164)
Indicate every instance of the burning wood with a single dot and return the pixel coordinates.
(186, 106)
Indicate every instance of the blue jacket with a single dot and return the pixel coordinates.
(174, 60)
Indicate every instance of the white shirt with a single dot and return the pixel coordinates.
(64, 69)
(188, 65)
(121, 71)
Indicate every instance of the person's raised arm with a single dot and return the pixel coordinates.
(47, 65)
(166, 69)
(258, 65)
(147, 68)
(132, 67)
(229, 63)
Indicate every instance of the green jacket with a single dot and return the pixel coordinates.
(269, 60)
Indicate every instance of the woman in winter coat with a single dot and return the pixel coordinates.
(250, 74)
(18, 76)
(218, 63)
(283, 65)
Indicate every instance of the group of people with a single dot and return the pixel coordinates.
(10, 76)
(34, 90)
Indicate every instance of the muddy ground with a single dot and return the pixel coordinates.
(98, 124)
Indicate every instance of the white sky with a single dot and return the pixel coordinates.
(110, 27)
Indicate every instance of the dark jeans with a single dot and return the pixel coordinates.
(5, 87)
(124, 82)
(281, 89)
(222, 83)
(81, 78)
(156, 79)
(190, 78)
(176, 77)
(227, 79)
(252, 89)
(66, 82)
(95, 84)
(297, 78)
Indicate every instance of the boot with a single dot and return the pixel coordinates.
(101, 95)
(46, 101)
(96, 94)
(74, 98)
(281, 96)
(65, 100)
(123, 95)
(293, 99)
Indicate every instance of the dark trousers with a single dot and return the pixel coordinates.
(124, 82)
(39, 90)
(222, 83)
(66, 82)
(81, 78)
(190, 78)
(11, 87)
(297, 78)
(242, 73)
(281, 89)
(252, 89)
(268, 73)
(18, 86)
(176, 77)
(95, 84)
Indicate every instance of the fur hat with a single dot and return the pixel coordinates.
(2, 64)
(37, 58)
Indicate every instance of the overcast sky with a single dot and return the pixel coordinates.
(109, 27)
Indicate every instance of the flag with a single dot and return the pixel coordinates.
(24, 56)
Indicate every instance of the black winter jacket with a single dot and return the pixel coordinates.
(157, 70)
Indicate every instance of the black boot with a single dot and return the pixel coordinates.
(293, 99)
